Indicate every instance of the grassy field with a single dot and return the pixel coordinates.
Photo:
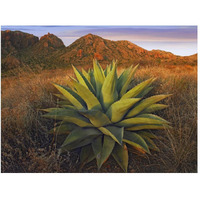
(27, 146)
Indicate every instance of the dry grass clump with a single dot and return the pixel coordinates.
(27, 146)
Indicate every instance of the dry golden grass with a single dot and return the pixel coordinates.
(27, 147)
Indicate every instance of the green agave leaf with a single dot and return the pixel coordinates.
(69, 115)
(106, 71)
(60, 96)
(135, 91)
(96, 117)
(108, 92)
(51, 109)
(98, 76)
(154, 107)
(152, 116)
(89, 98)
(79, 134)
(92, 79)
(135, 140)
(83, 80)
(120, 154)
(97, 147)
(145, 127)
(147, 134)
(150, 143)
(87, 154)
(86, 74)
(77, 144)
(140, 120)
(128, 80)
(118, 109)
(64, 103)
(116, 133)
(108, 145)
(102, 150)
(63, 129)
(71, 96)
(144, 92)
(69, 107)
(122, 78)
(145, 104)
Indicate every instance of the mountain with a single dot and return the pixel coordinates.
(22, 49)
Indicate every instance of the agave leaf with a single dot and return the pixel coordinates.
(64, 103)
(98, 76)
(63, 129)
(79, 134)
(89, 98)
(86, 74)
(108, 145)
(120, 154)
(92, 79)
(77, 144)
(102, 150)
(154, 107)
(118, 109)
(96, 117)
(152, 116)
(147, 134)
(140, 120)
(128, 80)
(150, 143)
(116, 133)
(69, 115)
(122, 79)
(69, 94)
(86, 154)
(135, 91)
(144, 92)
(83, 80)
(97, 147)
(51, 109)
(69, 107)
(145, 104)
(60, 96)
(106, 71)
(135, 140)
(147, 126)
(108, 92)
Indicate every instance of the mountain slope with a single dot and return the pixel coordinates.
(23, 49)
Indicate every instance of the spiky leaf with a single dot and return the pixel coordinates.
(108, 92)
(89, 98)
(69, 115)
(135, 140)
(145, 104)
(135, 91)
(118, 109)
(96, 117)
(86, 154)
(98, 76)
(70, 95)
(127, 82)
(120, 154)
(116, 133)
(80, 134)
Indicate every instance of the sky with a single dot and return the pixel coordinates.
(180, 40)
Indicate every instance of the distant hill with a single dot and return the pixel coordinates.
(22, 49)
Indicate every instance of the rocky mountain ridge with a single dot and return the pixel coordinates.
(21, 49)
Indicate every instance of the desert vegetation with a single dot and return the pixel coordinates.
(27, 145)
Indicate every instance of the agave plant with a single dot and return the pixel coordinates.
(101, 116)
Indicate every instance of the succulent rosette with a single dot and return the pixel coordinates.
(99, 115)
